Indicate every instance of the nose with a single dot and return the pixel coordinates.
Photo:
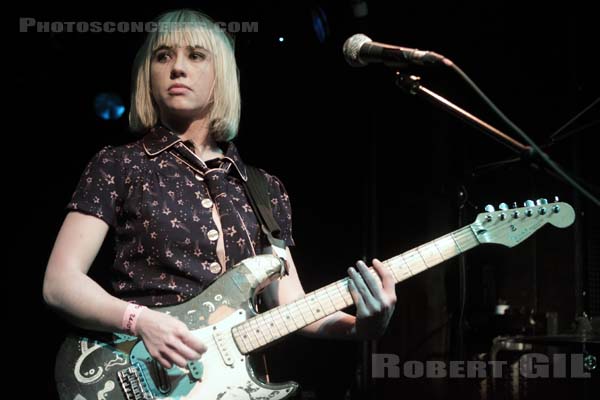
(179, 66)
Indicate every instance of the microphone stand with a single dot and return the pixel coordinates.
(412, 85)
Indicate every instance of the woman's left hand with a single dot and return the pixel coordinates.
(374, 298)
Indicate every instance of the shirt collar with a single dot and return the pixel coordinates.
(159, 139)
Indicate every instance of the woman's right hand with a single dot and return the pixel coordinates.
(167, 339)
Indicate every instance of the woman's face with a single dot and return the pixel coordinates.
(182, 80)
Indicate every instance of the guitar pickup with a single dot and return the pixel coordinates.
(220, 340)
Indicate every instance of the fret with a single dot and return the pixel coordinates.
(415, 261)
(326, 293)
(430, 254)
(402, 269)
(329, 293)
(314, 306)
(325, 303)
(292, 314)
(437, 250)
(418, 252)
(465, 239)
(342, 287)
(456, 242)
(265, 328)
(448, 247)
(306, 312)
(311, 305)
(287, 319)
(270, 318)
(252, 338)
(393, 269)
(297, 314)
(278, 325)
(241, 341)
(270, 323)
(255, 329)
(246, 334)
(340, 294)
(334, 297)
(281, 322)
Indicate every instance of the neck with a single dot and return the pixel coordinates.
(196, 132)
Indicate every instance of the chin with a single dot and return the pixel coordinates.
(180, 105)
(184, 111)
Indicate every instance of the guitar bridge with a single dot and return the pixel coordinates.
(133, 384)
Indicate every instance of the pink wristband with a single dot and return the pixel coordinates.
(132, 312)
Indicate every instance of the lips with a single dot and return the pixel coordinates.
(178, 88)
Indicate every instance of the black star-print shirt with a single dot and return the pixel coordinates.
(151, 192)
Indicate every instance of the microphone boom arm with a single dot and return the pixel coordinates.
(412, 85)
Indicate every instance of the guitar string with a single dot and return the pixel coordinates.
(463, 235)
(324, 294)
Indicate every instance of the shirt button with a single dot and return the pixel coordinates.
(213, 234)
(207, 203)
(215, 268)
(198, 177)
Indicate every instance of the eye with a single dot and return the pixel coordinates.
(162, 56)
(197, 55)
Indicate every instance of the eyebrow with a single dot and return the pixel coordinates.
(165, 47)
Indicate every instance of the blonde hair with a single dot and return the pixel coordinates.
(189, 28)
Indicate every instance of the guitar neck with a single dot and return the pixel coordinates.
(283, 320)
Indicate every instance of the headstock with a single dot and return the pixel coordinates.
(509, 226)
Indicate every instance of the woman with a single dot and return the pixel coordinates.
(176, 203)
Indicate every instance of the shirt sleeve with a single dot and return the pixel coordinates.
(282, 209)
(99, 191)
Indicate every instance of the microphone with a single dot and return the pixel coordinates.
(360, 50)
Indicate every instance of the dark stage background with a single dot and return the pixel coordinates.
(371, 171)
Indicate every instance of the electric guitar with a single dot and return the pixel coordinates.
(118, 366)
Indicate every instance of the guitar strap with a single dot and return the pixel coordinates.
(257, 189)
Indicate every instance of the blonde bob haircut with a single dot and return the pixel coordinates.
(189, 28)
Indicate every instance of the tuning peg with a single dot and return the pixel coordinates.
(503, 206)
(529, 203)
(556, 199)
(489, 208)
(541, 202)
(514, 205)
